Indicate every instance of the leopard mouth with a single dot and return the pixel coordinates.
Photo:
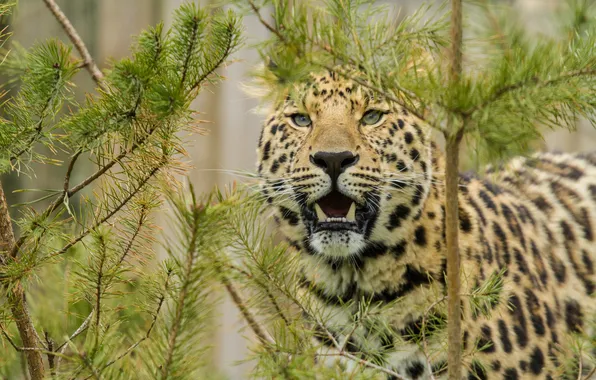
(338, 212)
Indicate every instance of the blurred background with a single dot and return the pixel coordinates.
(108, 27)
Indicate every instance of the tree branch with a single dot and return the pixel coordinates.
(453, 137)
(148, 333)
(254, 325)
(86, 182)
(16, 298)
(110, 214)
(75, 38)
(531, 81)
(181, 301)
(78, 331)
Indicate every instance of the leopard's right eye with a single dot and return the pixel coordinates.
(301, 120)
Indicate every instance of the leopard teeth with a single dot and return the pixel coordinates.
(336, 220)
(320, 213)
(351, 217)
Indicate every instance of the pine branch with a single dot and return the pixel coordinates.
(109, 215)
(37, 132)
(180, 302)
(533, 81)
(590, 374)
(51, 356)
(98, 294)
(62, 348)
(160, 303)
(75, 38)
(321, 326)
(16, 298)
(67, 194)
(453, 136)
(259, 330)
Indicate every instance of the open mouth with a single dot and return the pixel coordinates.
(337, 212)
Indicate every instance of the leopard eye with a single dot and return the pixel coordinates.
(371, 117)
(301, 120)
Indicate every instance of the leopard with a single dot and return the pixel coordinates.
(356, 184)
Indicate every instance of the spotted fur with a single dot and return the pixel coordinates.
(534, 218)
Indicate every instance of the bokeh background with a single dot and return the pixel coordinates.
(108, 28)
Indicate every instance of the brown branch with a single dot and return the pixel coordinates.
(453, 137)
(75, 38)
(266, 288)
(254, 325)
(16, 298)
(590, 374)
(98, 294)
(135, 234)
(51, 356)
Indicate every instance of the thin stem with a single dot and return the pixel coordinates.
(86, 182)
(132, 239)
(181, 302)
(148, 333)
(51, 356)
(259, 330)
(75, 38)
(62, 348)
(98, 294)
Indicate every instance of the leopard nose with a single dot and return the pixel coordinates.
(334, 163)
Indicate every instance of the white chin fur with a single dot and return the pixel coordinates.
(337, 243)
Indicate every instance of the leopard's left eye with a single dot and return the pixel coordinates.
(371, 117)
(301, 120)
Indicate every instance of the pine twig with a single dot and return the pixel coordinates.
(259, 331)
(62, 348)
(110, 214)
(51, 356)
(321, 326)
(180, 302)
(75, 38)
(586, 71)
(423, 329)
(148, 333)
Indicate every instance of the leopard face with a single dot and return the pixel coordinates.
(345, 168)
